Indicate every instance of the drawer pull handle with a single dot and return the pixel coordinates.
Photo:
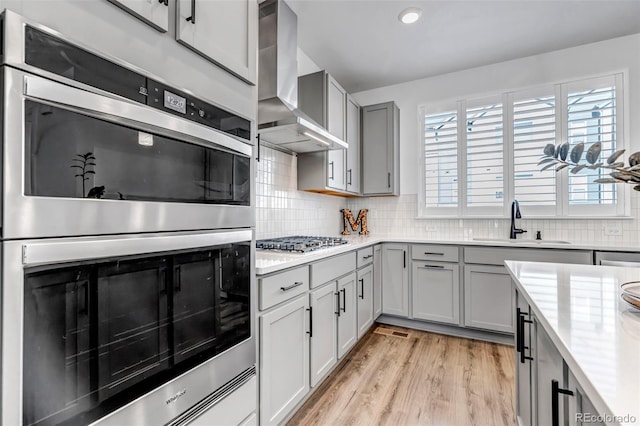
(433, 254)
(434, 266)
(367, 257)
(294, 285)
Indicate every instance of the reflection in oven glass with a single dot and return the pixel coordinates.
(73, 155)
(102, 333)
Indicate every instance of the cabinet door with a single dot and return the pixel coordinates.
(581, 409)
(353, 139)
(336, 176)
(395, 276)
(284, 360)
(336, 104)
(365, 300)
(524, 383)
(436, 292)
(223, 31)
(549, 364)
(324, 336)
(153, 12)
(347, 320)
(488, 298)
(380, 142)
(377, 281)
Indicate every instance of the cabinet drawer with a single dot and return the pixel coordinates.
(497, 256)
(365, 256)
(283, 286)
(332, 268)
(434, 252)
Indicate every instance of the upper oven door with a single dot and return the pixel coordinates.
(83, 163)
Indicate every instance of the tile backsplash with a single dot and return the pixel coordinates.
(283, 210)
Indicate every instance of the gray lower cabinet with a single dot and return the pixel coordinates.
(348, 314)
(549, 378)
(154, 13)
(377, 281)
(284, 359)
(324, 331)
(581, 409)
(436, 291)
(488, 298)
(224, 32)
(395, 276)
(525, 389)
(365, 299)
(381, 149)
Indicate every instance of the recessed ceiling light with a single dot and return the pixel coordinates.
(410, 15)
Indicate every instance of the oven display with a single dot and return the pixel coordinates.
(175, 102)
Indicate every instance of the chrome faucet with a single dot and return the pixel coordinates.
(515, 214)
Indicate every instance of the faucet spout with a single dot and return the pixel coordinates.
(515, 214)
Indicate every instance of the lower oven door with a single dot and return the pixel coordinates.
(123, 330)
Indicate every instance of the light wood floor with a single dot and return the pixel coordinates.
(427, 379)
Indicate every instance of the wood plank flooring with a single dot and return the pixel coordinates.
(426, 379)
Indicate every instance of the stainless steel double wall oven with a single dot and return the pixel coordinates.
(127, 235)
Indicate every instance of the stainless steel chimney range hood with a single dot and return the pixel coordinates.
(280, 121)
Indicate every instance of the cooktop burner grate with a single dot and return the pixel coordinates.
(299, 244)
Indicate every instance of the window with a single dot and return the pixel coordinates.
(481, 154)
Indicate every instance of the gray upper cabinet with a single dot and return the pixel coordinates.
(153, 12)
(223, 31)
(322, 98)
(352, 137)
(380, 149)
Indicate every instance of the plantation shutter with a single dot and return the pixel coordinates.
(441, 159)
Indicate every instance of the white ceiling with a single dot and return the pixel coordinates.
(364, 46)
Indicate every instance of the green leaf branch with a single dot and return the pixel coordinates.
(561, 156)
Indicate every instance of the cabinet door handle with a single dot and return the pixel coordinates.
(258, 148)
(344, 300)
(433, 254)
(434, 266)
(331, 175)
(555, 394)
(338, 296)
(294, 285)
(349, 171)
(165, 2)
(389, 180)
(361, 288)
(404, 259)
(192, 18)
(310, 332)
(367, 257)
(519, 332)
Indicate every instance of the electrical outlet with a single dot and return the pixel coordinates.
(613, 230)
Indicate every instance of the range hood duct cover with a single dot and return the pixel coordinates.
(280, 122)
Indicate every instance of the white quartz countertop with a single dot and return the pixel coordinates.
(268, 262)
(597, 334)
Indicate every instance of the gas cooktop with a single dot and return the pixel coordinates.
(299, 244)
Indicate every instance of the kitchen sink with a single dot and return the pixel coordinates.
(510, 241)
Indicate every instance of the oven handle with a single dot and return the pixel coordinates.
(128, 113)
(51, 251)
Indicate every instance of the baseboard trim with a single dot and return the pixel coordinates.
(450, 330)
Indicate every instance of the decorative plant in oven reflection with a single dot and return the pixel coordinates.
(84, 165)
(556, 156)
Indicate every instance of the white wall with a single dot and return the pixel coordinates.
(397, 215)
(562, 65)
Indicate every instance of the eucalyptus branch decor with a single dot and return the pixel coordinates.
(556, 156)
